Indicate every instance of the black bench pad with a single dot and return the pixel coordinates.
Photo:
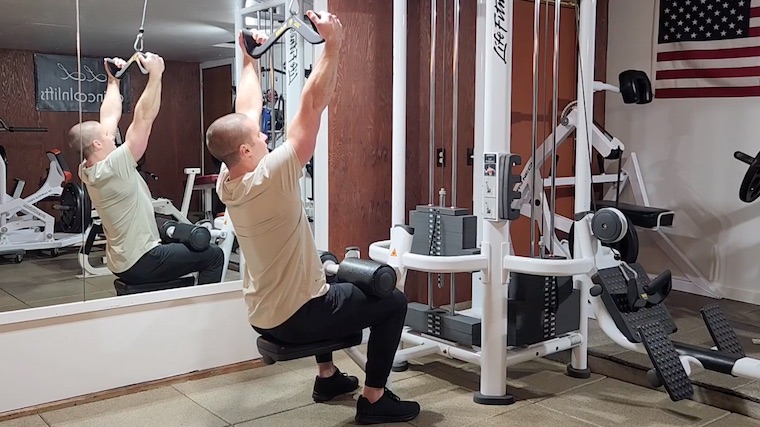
(123, 288)
(277, 351)
(641, 216)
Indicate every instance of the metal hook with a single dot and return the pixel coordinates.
(290, 7)
(139, 41)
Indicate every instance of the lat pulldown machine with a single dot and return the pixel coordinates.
(627, 304)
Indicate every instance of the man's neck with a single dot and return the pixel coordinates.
(237, 171)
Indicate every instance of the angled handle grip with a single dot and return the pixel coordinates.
(307, 31)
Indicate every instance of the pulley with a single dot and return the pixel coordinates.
(609, 225)
(627, 247)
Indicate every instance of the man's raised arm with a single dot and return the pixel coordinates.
(319, 89)
(147, 107)
(249, 97)
(110, 109)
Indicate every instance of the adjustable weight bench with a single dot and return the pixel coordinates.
(274, 351)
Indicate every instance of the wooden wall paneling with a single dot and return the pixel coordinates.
(176, 133)
(522, 100)
(217, 102)
(360, 127)
(26, 151)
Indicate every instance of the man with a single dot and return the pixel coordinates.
(284, 282)
(121, 196)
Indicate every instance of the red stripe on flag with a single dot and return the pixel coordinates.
(754, 12)
(739, 52)
(754, 32)
(708, 73)
(708, 92)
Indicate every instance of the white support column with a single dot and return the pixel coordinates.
(496, 242)
(239, 25)
(294, 45)
(321, 162)
(477, 178)
(398, 174)
(583, 247)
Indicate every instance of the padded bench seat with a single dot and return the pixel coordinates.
(123, 288)
(641, 216)
(206, 180)
(274, 351)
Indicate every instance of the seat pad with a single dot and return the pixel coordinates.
(641, 216)
(123, 288)
(280, 351)
(206, 179)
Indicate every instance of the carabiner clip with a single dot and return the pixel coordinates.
(139, 41)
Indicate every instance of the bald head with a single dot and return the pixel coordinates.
(82, 135)
(226, 135)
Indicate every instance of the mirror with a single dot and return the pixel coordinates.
(41, 214)
(166, 227)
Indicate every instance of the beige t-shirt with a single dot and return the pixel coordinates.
(125, 206)
(283, 270)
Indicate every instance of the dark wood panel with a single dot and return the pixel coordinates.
(26, 151)
(176, 138)
(174, 144)
(217, 102)
(360, 127)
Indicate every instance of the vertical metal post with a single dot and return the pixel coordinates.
(496, 239)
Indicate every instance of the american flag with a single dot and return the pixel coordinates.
(708, 49)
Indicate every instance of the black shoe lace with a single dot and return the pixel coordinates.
(392, 395)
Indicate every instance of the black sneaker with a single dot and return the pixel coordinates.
(388, 409)
(328, 388)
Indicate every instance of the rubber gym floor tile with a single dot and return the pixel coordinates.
(734, 420)
(163, 407)
(43, 289)
(308, 367)
(330, 414)
(454, 407)
(10, 303)
(539, 380)
(531, 416)
(250, 394)
(30, 421)
(611, 402)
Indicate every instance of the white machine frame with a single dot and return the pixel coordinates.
(246, 10)
(35, 229)
(496, 261)
(630, 175)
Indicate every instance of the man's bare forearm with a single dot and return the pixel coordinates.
(249, 97)
(110, 110)
(320, 87)
(149, 104)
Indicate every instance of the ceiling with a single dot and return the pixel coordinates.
(181, 30)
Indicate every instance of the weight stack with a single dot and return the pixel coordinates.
(454, 230)
(541, 308)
